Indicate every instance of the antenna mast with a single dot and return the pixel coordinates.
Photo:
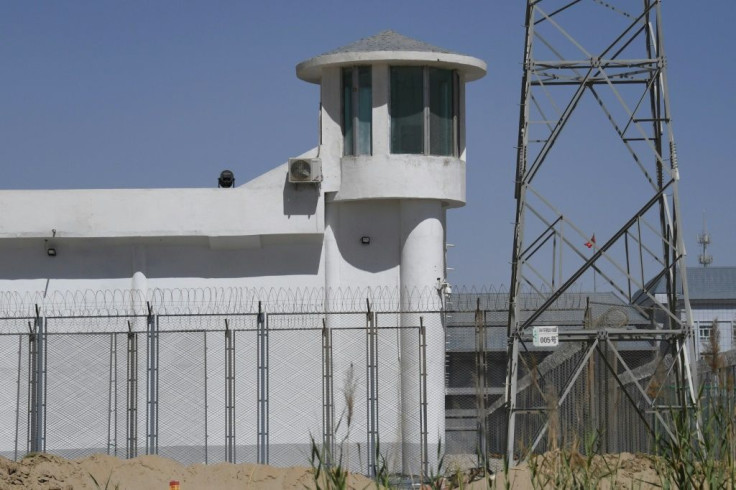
(704, 239)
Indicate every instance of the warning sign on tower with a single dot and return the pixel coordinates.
(545, 337)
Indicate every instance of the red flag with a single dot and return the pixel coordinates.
(591, 242)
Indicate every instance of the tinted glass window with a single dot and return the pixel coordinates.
(423, 110)
(441, 120)
(357, 110)
(407, 110)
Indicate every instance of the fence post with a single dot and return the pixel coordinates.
(328, 400)
(131, 395)
(37, 385)
(17, 394)
(424, 463)
(372, 388)
(152, 384)
(262, 377)
(32, 391)
(481, 396)
(229, 394)
(206, 404)
(112, 398)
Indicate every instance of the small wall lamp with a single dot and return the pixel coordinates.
(365, 240)
(50, 249)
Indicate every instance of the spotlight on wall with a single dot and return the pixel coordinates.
(226, 179)
(365, 240)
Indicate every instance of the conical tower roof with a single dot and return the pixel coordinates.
(392, 48)
(388, 41)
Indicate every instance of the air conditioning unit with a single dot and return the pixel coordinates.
(305, 170)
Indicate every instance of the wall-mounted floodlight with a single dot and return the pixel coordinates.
(365, 240)
(226, 179)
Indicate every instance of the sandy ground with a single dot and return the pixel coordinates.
(620, 471)
(42, 471)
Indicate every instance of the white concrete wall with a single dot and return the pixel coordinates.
(403, 177)
(330, 130)
(726, 318)
(359, 265)
(278, 261)
(265, 206)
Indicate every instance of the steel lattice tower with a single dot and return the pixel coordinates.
(596, 156)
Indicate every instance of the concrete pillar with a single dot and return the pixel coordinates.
(138, 298)
(422, 263)
(381, 123)
(330, 136)
(332, 256)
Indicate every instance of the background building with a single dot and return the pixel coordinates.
(712, 293)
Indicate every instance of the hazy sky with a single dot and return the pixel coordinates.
(101, 94)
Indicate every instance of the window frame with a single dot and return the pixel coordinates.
(705, 327)
(426, 111)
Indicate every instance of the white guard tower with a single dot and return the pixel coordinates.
(392, 152)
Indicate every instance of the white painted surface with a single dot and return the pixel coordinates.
(330, 130)
(422, 264)
(403, 177)
(725, 317)
(471, 68)
(265, 206)
(381, 117)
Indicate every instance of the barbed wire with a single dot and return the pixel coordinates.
(466, 298)
(217, 300)
(231, 300)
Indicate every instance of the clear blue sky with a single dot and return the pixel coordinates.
(101, 94)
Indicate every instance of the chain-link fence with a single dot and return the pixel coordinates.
(593, 396)
(257, 387)
(576, 395)
(611, 385)
(209, 386)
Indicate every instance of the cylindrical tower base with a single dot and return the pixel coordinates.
(422, 265)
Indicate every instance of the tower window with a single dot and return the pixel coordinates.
(424, 110)
(357, 108)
